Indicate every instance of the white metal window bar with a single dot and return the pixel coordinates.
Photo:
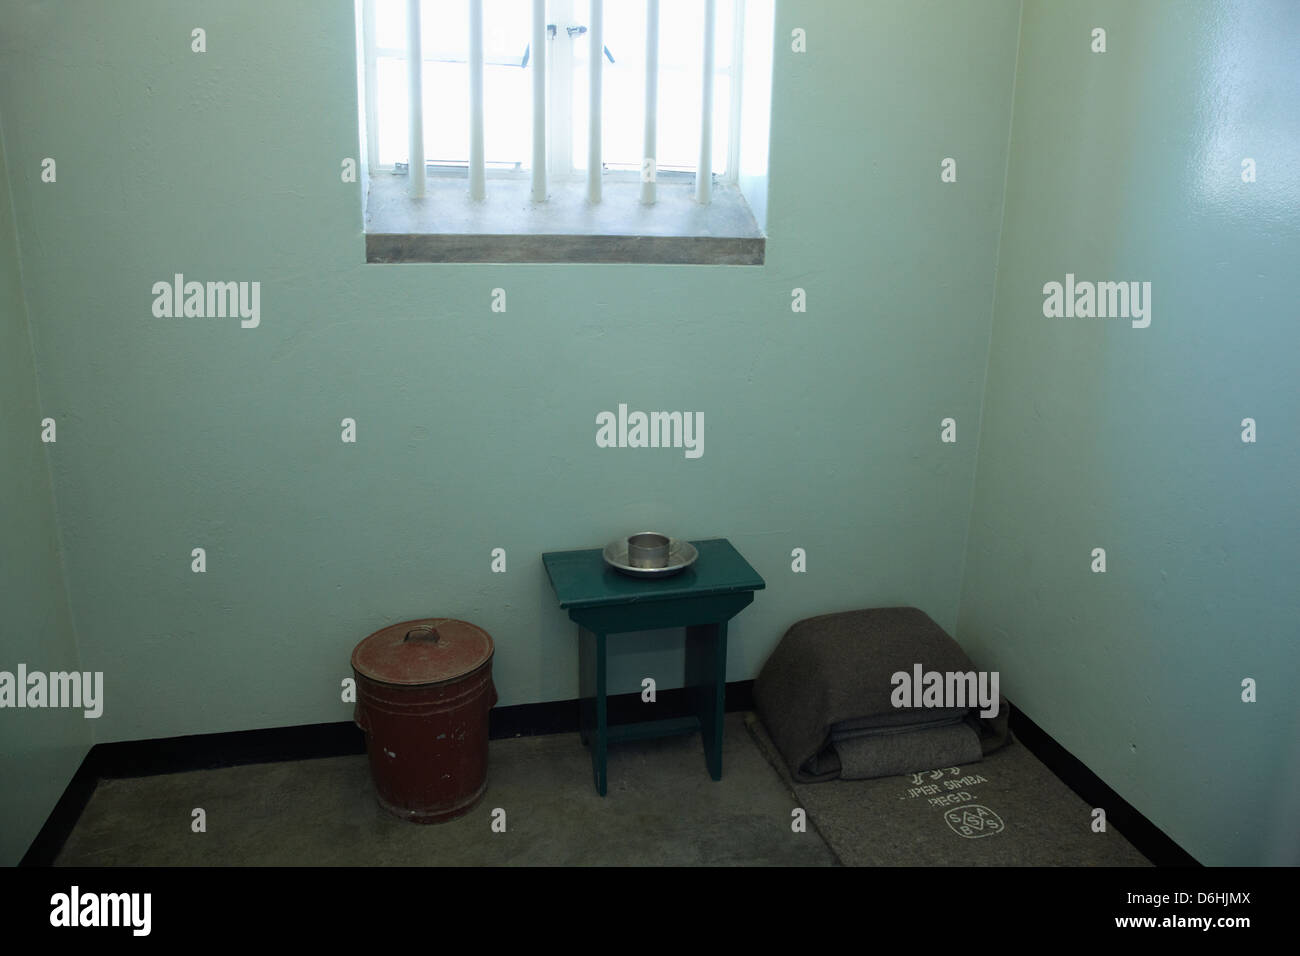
(557, 152)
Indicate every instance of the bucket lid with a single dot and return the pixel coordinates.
(427, 651)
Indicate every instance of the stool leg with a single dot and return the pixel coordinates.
(602, 724)
(593, 722)
(586, 685)
(706, 676)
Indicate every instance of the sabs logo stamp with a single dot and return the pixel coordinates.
(652, 430)
(75, 908)
(213, 300)
(1098, 300)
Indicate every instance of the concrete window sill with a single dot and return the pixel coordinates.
(447, 226)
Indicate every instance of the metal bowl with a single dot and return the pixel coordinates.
(681, 555)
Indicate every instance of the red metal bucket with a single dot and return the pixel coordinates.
(424, 690)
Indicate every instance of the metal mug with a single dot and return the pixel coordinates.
(647, 549)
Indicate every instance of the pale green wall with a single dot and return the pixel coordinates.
(1127, 165)
(477, 430)
(39, 749)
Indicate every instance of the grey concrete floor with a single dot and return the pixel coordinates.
(662, 809)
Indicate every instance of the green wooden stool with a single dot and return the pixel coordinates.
(702, 599)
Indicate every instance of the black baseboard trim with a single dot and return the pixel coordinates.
(1147, 838)
(138, 758)
(59, 824)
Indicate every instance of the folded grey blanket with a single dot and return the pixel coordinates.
(898, 720)
(862, 758)
(895, 744)
(832, 673)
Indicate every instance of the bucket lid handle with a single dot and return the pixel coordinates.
(429, 633)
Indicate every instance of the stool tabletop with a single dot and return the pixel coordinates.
(582, 579)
